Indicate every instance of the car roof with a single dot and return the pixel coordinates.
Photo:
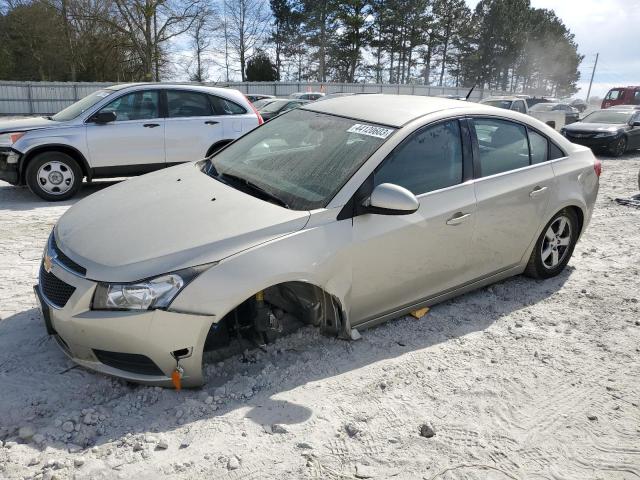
(392, 110)
(228, 93)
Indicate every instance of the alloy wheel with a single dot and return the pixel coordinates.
(556, 242)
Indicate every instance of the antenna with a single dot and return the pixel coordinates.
(470, 91)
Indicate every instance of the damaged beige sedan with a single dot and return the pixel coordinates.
(340, 214)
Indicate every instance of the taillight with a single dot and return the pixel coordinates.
(597, 166)
(255, 110)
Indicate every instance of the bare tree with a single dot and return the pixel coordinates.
(246, 26)
(201, 34)
(149, 25)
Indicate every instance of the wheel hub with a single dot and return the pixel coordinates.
(55, 178)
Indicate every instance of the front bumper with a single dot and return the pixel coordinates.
(9, 161)
(601, 143)
(134, 345)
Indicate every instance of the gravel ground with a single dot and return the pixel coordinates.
(520, 380)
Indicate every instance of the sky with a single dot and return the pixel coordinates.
(608, 27)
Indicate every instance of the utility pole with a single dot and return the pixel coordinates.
(592, 75)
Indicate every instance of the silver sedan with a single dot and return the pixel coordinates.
(340, 214)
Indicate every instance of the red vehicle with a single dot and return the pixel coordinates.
(622, 96)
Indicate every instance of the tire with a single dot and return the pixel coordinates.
(53, 176)
(550, 254)
(619, 147)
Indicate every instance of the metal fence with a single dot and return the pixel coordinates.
(44, 98)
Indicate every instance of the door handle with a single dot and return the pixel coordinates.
(211, 122)
(458, 218)
(151, 125)
(537, 191)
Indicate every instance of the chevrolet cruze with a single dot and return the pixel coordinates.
(340, 214)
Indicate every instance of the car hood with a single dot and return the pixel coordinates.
(594, 127)
(164, 221)
(25, 124)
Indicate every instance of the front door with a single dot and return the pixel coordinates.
(134, 142)
(400, 260)
(513, 192)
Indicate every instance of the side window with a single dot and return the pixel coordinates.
(614, 94)
(142, 105)
(428, 160)
(636, 98)
(539, 147)
(519, 106)
(222, 106)
(503, 145)
(182, 103)
(555, 152)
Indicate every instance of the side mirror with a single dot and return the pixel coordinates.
(635, 123)
(103, 117)
(390, 199)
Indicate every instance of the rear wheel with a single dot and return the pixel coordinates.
(554, 246)
(619, 147)
(53, 176)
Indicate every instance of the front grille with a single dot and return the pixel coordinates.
(129, 362)
(66, 261)
(580, 135)
(55, 290)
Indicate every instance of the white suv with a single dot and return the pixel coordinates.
(119, 131)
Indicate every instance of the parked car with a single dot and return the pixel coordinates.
(571, 114)
(622, 96)
(120, 131)
(258, 104)
(339, 214)
(254, 97)
(579, 105)
(611, 130)
(307, 95)
(555, 119)
(507, 102)
(531, 101)
(275, 108)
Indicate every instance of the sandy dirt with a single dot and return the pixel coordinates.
(520, 380)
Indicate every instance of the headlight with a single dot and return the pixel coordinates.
(605, 134)
(150, 294)
(8, 139)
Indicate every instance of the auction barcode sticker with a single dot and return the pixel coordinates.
(370, 130)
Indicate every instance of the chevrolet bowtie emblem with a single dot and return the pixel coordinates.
(47, 262)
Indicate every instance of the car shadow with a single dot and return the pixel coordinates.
(42, 388)
(20, 198)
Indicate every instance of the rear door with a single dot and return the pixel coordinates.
(512, 188)
(134, 143)
(192, 125)
(237, 119)
(400, 260)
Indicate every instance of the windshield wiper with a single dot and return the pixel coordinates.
(255, 188)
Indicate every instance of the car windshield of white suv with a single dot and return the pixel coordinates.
(506, 104)
(609, 116)
(299, 160)
(81, 106)
(543, 107)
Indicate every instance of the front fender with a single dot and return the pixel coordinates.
(316, 255)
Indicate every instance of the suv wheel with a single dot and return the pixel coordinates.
(554, 246)
(53, 176)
